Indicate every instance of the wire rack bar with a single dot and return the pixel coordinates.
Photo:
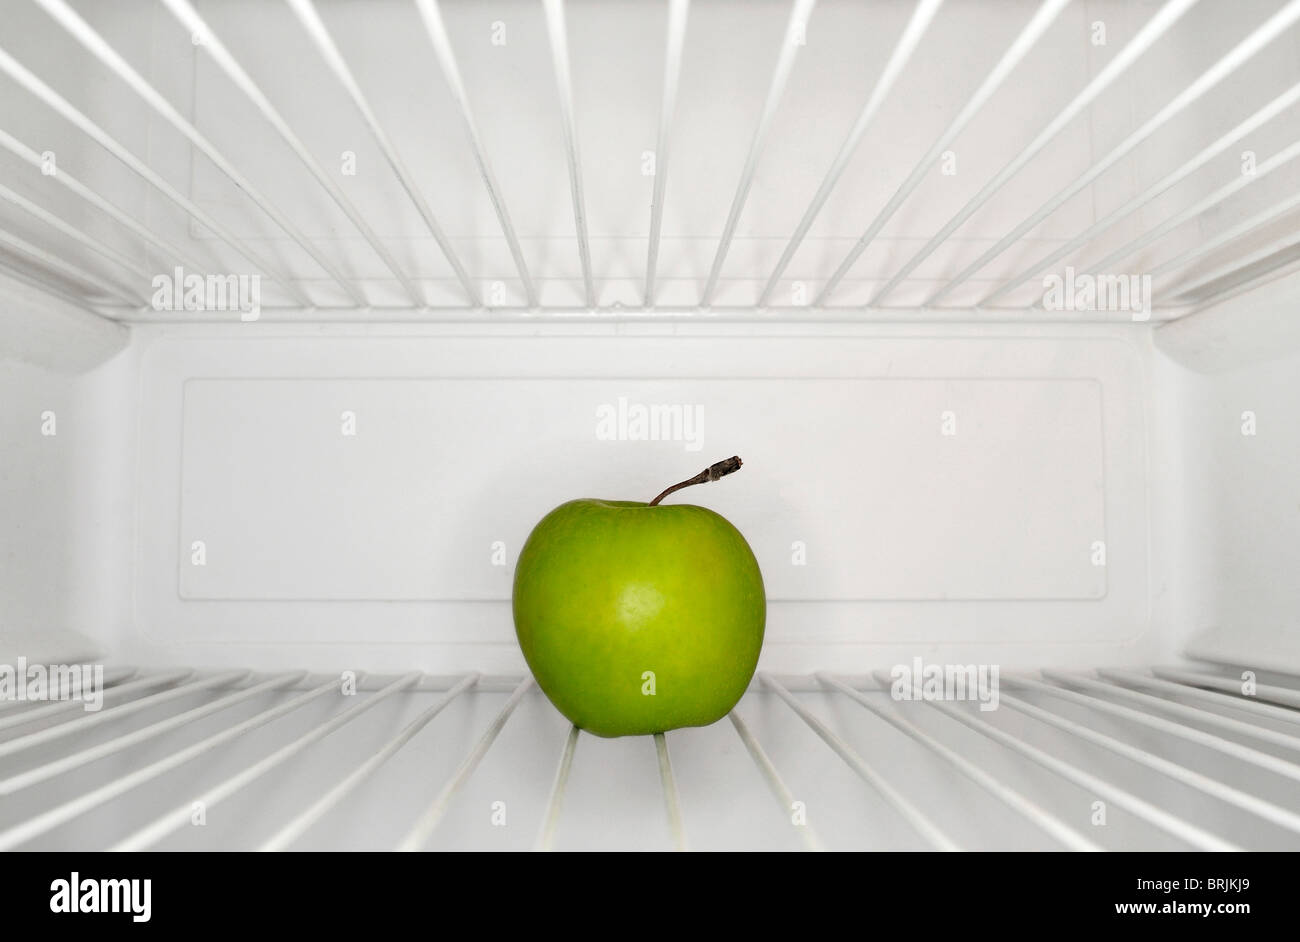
(424, 827)
(1283, 696)
(211, 43)
(1228, 747)
(1191, 714)
(1254, 223)
(1153, 30)
(67, 706)
(27, 276)
(922, 16)
(303, 822)
(913, 815)
(1019, 48)
(28, 80)
(431, 14)
(1263, 169)
(76, 760)
(76, 807)
(1175, 176)
(95, 44)
(1121, 798)
(112, 714)
(320, 36)
(1003, 792)
(113, 677)
(790, 44)
(75, 233)
(1234, 59)
(1189, 690)
(559, 38)
(166, 250)
(678, 11)
(546, 836)
(87, 278)
(179, 816)
(784, 797)
(1281, 249)
(1251, 804)
(672, 800)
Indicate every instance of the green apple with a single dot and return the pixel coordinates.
(638, 618)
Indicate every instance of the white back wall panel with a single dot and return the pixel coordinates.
(465, 436)
(946, 488)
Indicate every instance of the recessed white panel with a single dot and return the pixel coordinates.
(424, 489)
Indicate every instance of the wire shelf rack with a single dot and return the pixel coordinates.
(106, 273)
(1172, 758)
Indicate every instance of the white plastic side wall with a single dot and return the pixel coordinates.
(63, 418)
(1237, 384)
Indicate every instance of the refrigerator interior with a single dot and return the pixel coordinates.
(459, 262)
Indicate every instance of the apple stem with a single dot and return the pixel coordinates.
(711, 473)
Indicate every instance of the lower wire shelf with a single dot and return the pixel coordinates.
(1168, 758)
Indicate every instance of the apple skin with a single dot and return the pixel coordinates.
(606, 590)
